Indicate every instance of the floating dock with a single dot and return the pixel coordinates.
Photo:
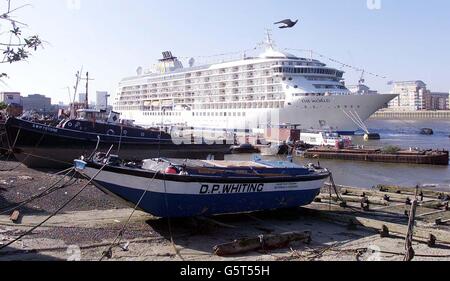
(425, 157)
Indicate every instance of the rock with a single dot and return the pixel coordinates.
(25, 178)
(125, 246)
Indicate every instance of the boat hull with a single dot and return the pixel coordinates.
(3, 140)
(41, 146)
(168, 198)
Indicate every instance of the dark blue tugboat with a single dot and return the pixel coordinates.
(44, 146)
(3, 141)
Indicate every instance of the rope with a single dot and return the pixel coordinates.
(358, 69)
(27, 155)
(43, 158)
(8, 151)
(55, 174)
(29, 183)
(108, 253)
(333, 185)
(44, 193)
(361, 126)
(57, 211)
(6, 154)
(61, 172)
(120, 140)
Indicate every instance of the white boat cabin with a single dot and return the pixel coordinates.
(323, 138)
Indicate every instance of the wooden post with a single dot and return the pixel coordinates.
(432, 241)
(409, 255)
(384, 233)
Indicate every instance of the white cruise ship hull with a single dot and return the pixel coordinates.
(339, 113)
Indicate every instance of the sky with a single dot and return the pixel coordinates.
(398, 39)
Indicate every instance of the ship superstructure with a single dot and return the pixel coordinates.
(272, 89)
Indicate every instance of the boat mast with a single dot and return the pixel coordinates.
(86, 100)
(87, 90)
(72, 111)
(269, 42)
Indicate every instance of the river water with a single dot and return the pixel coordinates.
(400, 133)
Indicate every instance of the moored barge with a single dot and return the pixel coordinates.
(412, 156)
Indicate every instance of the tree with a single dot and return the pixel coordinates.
(3, 106)
(14, 45)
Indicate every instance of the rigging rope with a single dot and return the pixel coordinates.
(339, 62)
(108, 253)
(335, 188)
(55, 174)
(51, 189)
(27, 156)
(57, 211)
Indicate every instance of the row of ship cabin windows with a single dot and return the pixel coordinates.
(309, 71)
(209, 114)
(275, 104)
(219, 114)
(338, 107)
(162, 113)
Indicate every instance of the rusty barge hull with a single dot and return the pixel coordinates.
(438, 158)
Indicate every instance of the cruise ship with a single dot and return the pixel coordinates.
(275, 88)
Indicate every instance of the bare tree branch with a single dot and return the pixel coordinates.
(17, 47)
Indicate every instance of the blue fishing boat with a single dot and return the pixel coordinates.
(187, 188)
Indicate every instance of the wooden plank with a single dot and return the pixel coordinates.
(354, 199)
(262, 242)
(377, 225)
(396, 197)
(441, 221)
(411, 191)
(15, 216)
(431, 213)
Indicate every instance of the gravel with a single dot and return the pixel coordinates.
(22, 183)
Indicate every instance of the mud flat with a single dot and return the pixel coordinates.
(88, 226)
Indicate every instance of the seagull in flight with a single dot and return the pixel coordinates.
(287, 23)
